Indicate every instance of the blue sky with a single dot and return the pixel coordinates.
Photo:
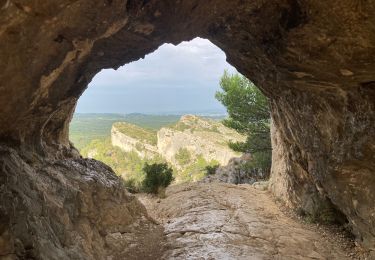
(173, 79)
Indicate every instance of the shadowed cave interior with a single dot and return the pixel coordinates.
(313, 59)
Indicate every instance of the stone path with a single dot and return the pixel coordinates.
(223, 221)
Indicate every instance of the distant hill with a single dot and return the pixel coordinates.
(154, 122)
(87, 127)
(126, 142)
(188, 145)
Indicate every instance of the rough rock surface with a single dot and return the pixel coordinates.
(314, 59)
(236, 172)
(200, 137)
(70, 208)
(129, 144)
(224, 221)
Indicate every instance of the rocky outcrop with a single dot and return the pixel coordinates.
(69, 208)
(313, 59)
(127, 143)
(200, 137)
(195, 135)
(237, 171)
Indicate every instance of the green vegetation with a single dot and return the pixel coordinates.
(212, 124)
(154, 122)
(195, 171)
(136, 132)
(183, 156)
(90, 133)
(157, 177)
(249, 114)
(211, 169)
(87, 127)
(128, 165)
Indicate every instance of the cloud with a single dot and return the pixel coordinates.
(194, 65)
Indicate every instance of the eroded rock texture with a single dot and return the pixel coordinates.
(70, 208)
(236, 172)
(314, 59)
(219, 221)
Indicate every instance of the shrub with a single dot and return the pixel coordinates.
(158, 176)
(211, 169)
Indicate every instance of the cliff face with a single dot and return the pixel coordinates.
(69, 208)
(193, 135)
(313, 59)
(198, 137)
(144, 148)
(237, 172)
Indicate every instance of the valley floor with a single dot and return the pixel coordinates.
(223, 221)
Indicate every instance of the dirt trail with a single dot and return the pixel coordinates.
(223, 221)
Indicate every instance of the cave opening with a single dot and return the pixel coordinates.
(314, 60)
(162, 109)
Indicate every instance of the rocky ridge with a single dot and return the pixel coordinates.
(145, 147)
(193, 135)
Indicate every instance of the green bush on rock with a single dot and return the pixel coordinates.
(157, 177)
(211, 169)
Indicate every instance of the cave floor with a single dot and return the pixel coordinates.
(224, 221)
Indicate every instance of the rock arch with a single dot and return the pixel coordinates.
(315, 60)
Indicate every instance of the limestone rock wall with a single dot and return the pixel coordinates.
(200, 137)
(69, 208)
(236, 172)
(328, 158)
(314, 59)
(129, 144)
(170, 142)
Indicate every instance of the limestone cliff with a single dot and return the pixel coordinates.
(198, 137)
(193, 135)
(130, 137)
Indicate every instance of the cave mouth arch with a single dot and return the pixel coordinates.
(305, 57)
(172, 86)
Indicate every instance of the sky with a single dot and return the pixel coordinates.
(171, 80)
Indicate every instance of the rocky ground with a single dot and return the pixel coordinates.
(225, 221)
(74, 208)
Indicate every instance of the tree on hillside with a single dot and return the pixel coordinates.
(249, 114)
